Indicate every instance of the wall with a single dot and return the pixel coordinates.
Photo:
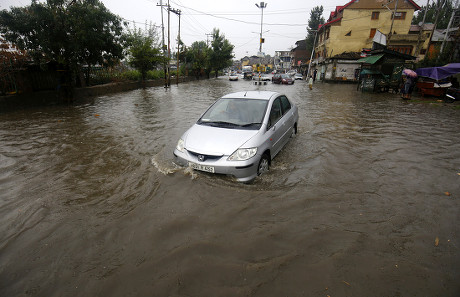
(44, 98)
(346, 71)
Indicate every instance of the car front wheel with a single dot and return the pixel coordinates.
(264, 164)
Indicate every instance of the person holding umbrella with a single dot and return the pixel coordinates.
(408, 86)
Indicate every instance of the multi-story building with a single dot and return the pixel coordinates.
(352, 27)
(283, 60)
(300, 55)
(259, 64)
(360, 26)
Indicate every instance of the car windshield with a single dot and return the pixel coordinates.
(235, 114)
(285, 76)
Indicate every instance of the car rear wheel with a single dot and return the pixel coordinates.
(264, 164)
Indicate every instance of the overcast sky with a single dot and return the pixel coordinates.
(284, 21)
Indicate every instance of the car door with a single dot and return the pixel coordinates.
(276, 126)
(287, 119)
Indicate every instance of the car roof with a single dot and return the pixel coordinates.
(265, 95)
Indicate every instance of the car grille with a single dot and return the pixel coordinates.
(203, 157)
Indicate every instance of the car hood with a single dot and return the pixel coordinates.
(215, 141)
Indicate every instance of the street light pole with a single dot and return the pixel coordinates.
(262, 5)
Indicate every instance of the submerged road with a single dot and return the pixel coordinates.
(364, 201)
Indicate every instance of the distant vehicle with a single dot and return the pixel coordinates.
(247, 72)
(233, 77)
(239, 134)
(261, 77)
(291, 72)
(298, 76)
(284, 79)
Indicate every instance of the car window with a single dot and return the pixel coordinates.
(285, 104)
(275, 112)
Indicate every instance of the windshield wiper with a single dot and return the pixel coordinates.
(219, 123)
(251, 124)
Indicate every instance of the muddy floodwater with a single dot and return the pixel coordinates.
(364, 201)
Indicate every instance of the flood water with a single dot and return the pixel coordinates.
(364, 201)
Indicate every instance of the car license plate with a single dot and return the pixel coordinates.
(201, 167)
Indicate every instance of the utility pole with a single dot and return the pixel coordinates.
(177, 12)
(163, 42)
(169, 44)
(454, 11)
(418, 46)
(438, 10)
(392, 22)
(312, 51)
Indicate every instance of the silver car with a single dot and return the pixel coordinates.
(239, 134)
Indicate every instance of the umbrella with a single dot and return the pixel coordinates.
(409, 72)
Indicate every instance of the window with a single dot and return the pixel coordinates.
(403, 49)
(372, 33)
(327, 33)
(285, 104)
(400, 15)
(275, 112)
(375, 15)
(348, 34)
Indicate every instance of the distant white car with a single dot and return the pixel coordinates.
(298, 76)
(233, 76)
(262, 77)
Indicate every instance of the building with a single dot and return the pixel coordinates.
(441, 36)
(360, 26)
(282, 61)
(259, 64)
(352, 27)
(300, 55)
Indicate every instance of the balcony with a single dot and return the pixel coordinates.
(404, 38)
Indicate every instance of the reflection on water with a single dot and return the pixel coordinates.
(92, 204)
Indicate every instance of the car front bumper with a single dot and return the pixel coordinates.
(243, 171)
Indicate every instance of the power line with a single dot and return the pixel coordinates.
(239, 21)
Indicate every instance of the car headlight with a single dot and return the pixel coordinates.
(243, 154)
(180, 145)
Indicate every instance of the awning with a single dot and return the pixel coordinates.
(370, 59)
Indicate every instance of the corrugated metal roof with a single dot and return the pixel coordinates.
(370, 59)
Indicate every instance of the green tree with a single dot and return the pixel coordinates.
(444, 8)
(69, 32)
(198, 57)
(221, 52)
(144, 51)
(316, 19)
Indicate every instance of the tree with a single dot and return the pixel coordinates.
(198, 57)
(221, 52)
(316, 19)
(12, 60)
(69, 32)
(144, 51)
(443, 8)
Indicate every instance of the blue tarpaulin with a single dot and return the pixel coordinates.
(439, 73)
